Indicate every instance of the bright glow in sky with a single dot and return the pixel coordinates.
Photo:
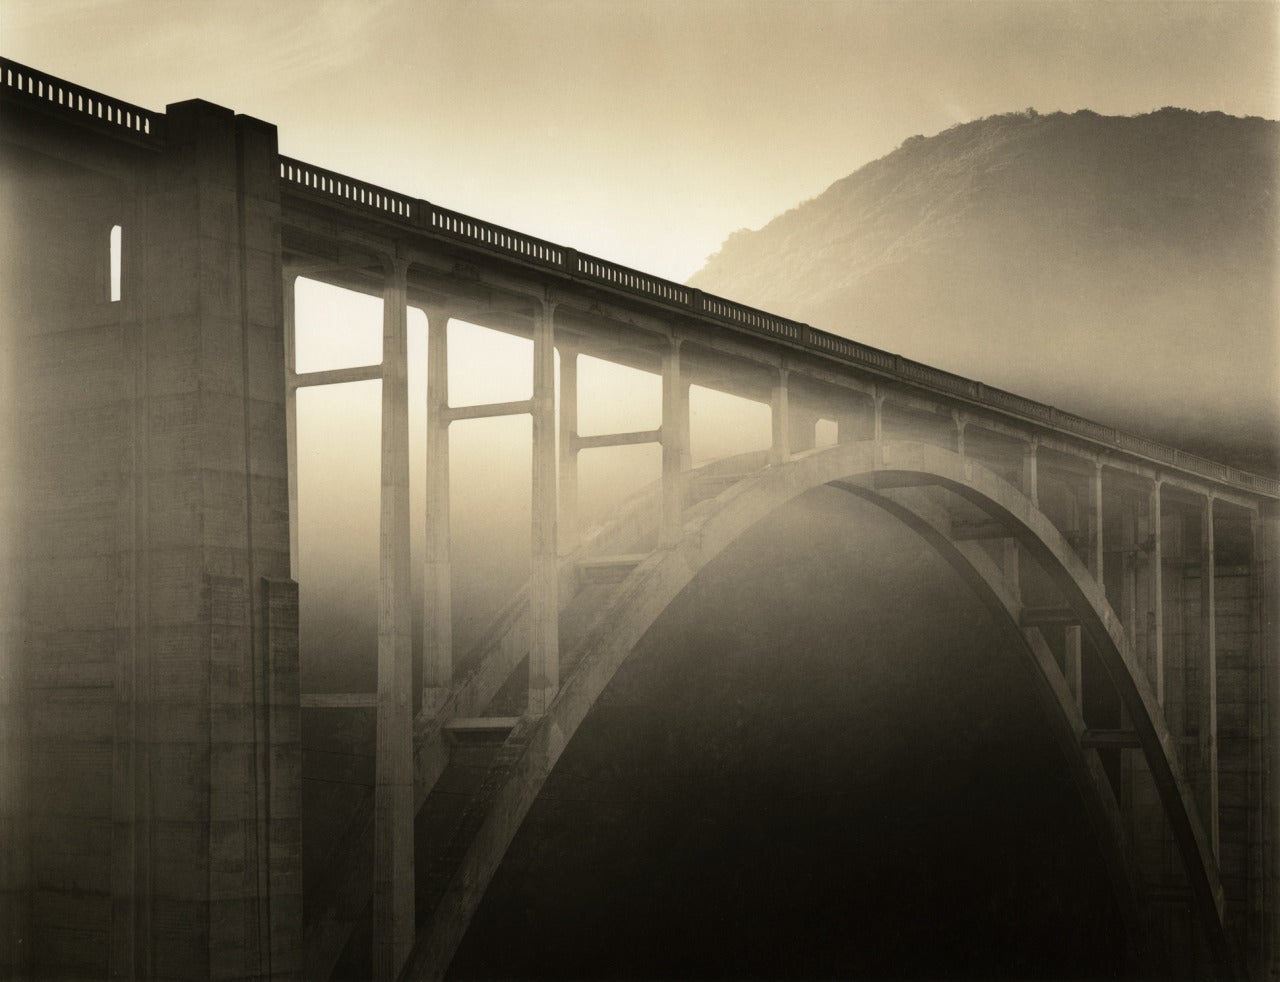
(644, 131)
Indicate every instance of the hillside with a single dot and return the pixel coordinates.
(1125, 268)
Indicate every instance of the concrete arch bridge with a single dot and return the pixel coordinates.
(155, 723)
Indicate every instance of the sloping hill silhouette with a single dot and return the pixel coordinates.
(1125, 268)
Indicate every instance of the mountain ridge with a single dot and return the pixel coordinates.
(1124, 268)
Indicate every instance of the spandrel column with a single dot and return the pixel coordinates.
(1156, 582)
(1031, 472)
(1129, 569)
(289, 296)
(1071, 636)
(568, 444)
(1209, 674)
(544, 646)
(780, 416)
(437, 656)
(675, 430)
(1097, 554)
(393, 880)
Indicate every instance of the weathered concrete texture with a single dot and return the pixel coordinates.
(14, 838)
(159, 812)
(70, 429)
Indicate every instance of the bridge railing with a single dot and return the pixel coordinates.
(1084, 427)
(625, 278)
(491, 236)
(936, 378)
(309, 177)
(762, 322)
(84, 105)
(848, 350)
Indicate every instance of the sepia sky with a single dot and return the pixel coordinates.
(643, 130)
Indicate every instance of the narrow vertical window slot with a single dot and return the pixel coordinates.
(115, 263)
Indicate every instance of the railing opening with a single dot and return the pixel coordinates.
(114, 269)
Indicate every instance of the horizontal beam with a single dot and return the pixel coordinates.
(1134, 549)
(489, 409)
(609, 569)
(339, 700)
(1037, 616)
(473, 724)
(1196, 490)
(616, 439)
(335, 376)
(481, 728)
(926, 404)
(1103, 739)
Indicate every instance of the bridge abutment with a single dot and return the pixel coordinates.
(154, 661)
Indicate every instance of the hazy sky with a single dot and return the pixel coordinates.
(642, 130)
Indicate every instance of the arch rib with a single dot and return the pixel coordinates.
(710, 528)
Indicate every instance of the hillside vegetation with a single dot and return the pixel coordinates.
(1125, 268)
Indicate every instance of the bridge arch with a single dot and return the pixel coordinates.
(891, 475)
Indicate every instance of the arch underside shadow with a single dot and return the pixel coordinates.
(901, 478)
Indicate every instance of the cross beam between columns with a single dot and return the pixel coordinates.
(633, 438)
(336, 376)
(486, 410)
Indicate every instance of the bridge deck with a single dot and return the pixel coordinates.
(330, 216)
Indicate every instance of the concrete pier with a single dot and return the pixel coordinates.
(154, 674)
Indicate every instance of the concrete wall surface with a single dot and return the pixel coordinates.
(151, 749)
